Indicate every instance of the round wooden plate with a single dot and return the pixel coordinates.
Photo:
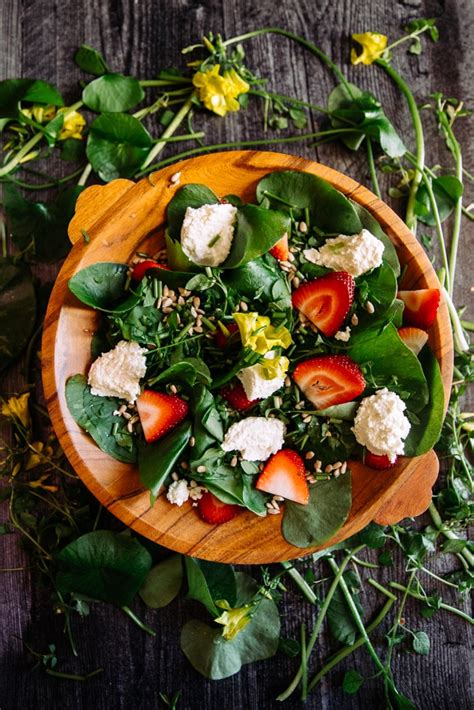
(124, 216)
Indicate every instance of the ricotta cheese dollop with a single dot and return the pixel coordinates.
(381, 425)
(254, 382)
(178, 492)
(354, 254)
(117, 373)
(207, 233)
(256, 438)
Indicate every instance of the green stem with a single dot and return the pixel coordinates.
(85, 174)
(372, 170)
(442, 605)
(343, 653)
(439, 228)
(304, 664)
(164, 82)
(45, 185)
(73, 676)
(141, 625)
(300, 582)
(453, 252)
(382, 589)
(467, 325)
(182, 137)
(320, 618)
(460, 342)
(17, 158)
(289, 100)
(410, 217)
(449, 534)
(170, 129)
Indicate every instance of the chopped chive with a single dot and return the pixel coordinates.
(85, 236)
(214, 240)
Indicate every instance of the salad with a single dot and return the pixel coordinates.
(260, 349)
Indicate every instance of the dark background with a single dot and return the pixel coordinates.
(38, 39)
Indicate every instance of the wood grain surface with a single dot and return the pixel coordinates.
(38, 39)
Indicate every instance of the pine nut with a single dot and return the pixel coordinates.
(295, 282)
(343, 468)
(355, 319)
(196, 301)
(243, 306)
(173, 389)
(166, 302)
(328, 468)
(317, 465)
(234, 461)
(201, 469)
(192, 441)
(369, 307)
(175, 476)
(309, 455)
(302, 227)
(272, 511)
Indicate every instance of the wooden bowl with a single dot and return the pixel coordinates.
(124, 216)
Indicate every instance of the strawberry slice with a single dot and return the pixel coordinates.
(414, 338)
(221, 338)
(420, 306)
(280, 250)
(284, 475)
(329, 379)
(380, 463)
(234, 394)
(326, 300)
(214, 511)
(139, 270)
(159, 413)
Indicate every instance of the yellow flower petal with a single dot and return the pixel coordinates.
(73, 124)
(17, 408)
(39, 454)
(373, 46)
(219, 93)
(257, 333)
(233, 620)
(274, 367)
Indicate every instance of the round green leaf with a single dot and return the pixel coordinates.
(163, 582)
(90, 60)
(421, 643)
(12, 91)
(112, 92)
(117, 145)
(99, 285)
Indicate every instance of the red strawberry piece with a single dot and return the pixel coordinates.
(414, 338)
(329, 379)
(284, 475)
(280, 250)
(234, 394)
(214, 511)
(139, 270)
(221, 339)
(326, 300)
(159, 413)
(420, 306)
(378, 462)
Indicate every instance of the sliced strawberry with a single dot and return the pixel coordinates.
(221, 338)
(280, 250)
(378, 462)
(139, 270)
(420, 306)
(414, 338)
(159, 413)
(234, 394)
(214, 511)
(326, 300)
(284, 475)
(329, 379)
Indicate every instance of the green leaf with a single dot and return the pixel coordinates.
(17, 310)
(341, 621)
(13, 91)
(189, 370)
(326, 512)
(447, 190)
(163, 582)
(454, 546)
(117, 145)
(177, 259)
(290, 647)
(340, 98)
(72, 150)
(209, 582)
(157, 461)
(426, 432)
(257, 230)
(421, 643)
(95, 415)
(329, 210)
(214, 657)
(208, 428)
(90, 60)
(380, 287)
(352, 682)
(99, 285)
(373, 536)
(192, 195)
(103, 565)
(261, 280)
(112, 93)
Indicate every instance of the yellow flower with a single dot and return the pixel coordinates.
(233, 620)
(274, 366)
(73, 124)
(40, 484)
(219, 92)
(373, 46)
(41, 114)
(17, 408)
(39, 453)
(257, 333)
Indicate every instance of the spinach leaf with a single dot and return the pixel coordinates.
(176, 258)
(208, 427)
(380, 288)
(157, 461)
(215, 657)
(13, 91)
(447, 190)
(326, 512)
(390, 363)
(256, 231)
(163, 582)
(260, 279)
(192, 195)
(17, 310)
(140, 323)
(329, 209)
(368, 222)
(341, 621)
(95, 415)
(103, 565)
(189, 370)
(90, 60)
(425, 433)
(99, 285)
(209, 582)
(112, 93)
(117, 145)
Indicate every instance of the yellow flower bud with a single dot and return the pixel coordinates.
(373, 46)
(233, 620)
(17, 408)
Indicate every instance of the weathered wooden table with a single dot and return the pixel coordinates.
(38, 39)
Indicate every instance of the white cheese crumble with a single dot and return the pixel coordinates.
(207, 233)
(117, 373)
(380, 424)
(343, 335)
(256, 438)
(255, 384)
(178, 492)
(354, 254)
